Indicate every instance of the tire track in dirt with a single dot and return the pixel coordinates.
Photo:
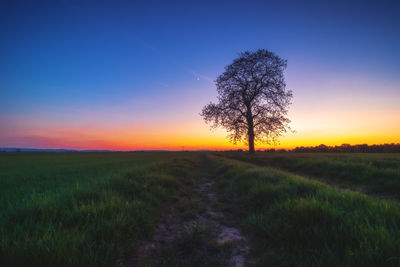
(194, 230)
(227, 233)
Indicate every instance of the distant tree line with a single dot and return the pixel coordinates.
(347, 148)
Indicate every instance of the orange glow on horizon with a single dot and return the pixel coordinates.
(195, 137)
(312, 127)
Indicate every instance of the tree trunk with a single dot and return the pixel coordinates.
(250, 126)
(251, 141)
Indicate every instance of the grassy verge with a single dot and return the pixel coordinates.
(300, 222)
(81, 209)
(372, 173)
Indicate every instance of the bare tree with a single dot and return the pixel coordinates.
(252, 99)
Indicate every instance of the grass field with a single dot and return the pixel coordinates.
(373, 173)
(81, 209)
(90, 209)
(295, 221)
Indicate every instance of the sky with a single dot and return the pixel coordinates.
(134, 75)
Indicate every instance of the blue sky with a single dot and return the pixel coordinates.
(122, 63)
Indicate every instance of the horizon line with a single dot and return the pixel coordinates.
(2, 149)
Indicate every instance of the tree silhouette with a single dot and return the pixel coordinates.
(252, 99)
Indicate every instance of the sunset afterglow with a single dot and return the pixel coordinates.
(120, 80)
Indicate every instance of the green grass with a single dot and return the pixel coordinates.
(89, 209)
(188, 236)
(81, 209)
(295, 221)
(372, 173)
(194, 245)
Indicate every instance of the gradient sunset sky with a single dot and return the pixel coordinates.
(129, 75)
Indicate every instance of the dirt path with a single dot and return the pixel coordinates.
(194, 230)
(227, 232)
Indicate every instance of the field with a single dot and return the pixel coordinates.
(373, 173)
(199, 209)
(299, 221)
(80, 209)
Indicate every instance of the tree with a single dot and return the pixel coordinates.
(252, 99)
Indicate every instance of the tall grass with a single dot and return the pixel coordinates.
(81, 209)
(295, 221)
(373, 173)
(87, 209)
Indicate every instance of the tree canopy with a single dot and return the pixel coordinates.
(252, 99)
